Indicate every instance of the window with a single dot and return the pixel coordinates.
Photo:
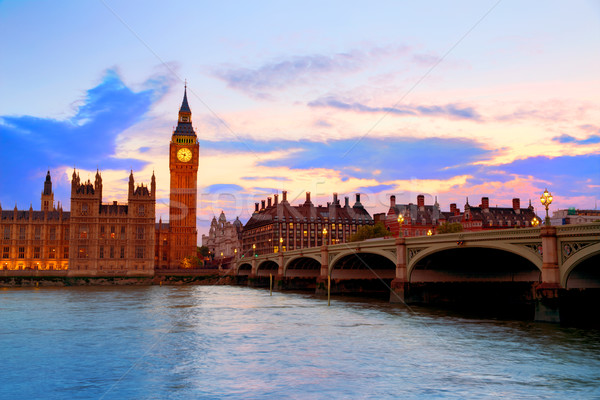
(140, 232)
(101, 254)
(5, 252)
(112, 252)
(7, 233)
(82, 253)
(122, 230)
(113, 234)
(66, 253)
(164, 256)
(139, 252)
(102, 232)
(84, 209)
(66, 234)
(52, 252)
(52, 235)
(22, 232)
(122, 255)
(141, 210)
(21, 252)
(38, 233)
(36, 252)
(83, 231)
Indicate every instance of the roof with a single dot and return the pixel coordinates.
(307, 212)
(35, 215)
(184, 105)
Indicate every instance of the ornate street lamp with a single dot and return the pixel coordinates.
(280, 244)
(400, 222)
(254, 249)
(535, 222)
(546, 199)
(429, 232)
(324, 235)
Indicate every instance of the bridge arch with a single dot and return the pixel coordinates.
(474, 264)
(244, 269)
(267, 267)
(579, 268)
(521, 251)
(386, 254)
(302, 266)
(367, 264)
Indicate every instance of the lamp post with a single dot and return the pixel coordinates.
(280, 244)
(254, 249)
(400, 222)
(535, 222)
(325, 236)
(546, 199)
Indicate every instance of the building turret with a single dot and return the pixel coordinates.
(47, 195)
(153, 186)
(131, 184)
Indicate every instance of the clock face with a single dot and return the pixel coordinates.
(184, 154)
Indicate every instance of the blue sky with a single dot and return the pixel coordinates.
(493, 98)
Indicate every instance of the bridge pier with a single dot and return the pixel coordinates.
(322, 279)
(547, 293)
(400, 285)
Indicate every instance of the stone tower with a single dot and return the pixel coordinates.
(183, 166)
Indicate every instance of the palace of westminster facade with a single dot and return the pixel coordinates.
(96, 239)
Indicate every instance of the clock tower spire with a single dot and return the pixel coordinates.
(183, 166)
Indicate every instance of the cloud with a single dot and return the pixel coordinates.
(223, 188)
(452, 111)
(266, 178)
(87, 140)
(302, 69)
(592, 139)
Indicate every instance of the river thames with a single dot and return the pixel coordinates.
(224, 342)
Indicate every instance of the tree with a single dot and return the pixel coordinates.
(450, 228)
(203, 250)
(369, 232)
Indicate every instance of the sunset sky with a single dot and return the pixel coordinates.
(449, 99)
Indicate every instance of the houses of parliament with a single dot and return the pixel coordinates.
(108, 239)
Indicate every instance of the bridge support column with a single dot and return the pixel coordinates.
(322, 279)
(400, 283)
(253, 272)
(546, 294)
(279, 278)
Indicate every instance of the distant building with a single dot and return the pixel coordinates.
(224, 238)
(484, 217)
(574, 216)
(279, 226)
(418, 219)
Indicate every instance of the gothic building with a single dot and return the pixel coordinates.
(176, 240)
(35, 239)
(417, 219)
(224, 238)
(279, 226)
(111, 239)
(93, 239)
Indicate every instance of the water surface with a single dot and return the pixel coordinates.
(223, 342)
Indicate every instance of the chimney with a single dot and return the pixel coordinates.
(453, 209)
(255, 207)
(421, 202)
(335, 199)
(284, 193)
(269, 202)
(262, 204)
(276, 196)
(392, 201)
(308, 197)
(346, 201)
(517, 205)
(485, 203)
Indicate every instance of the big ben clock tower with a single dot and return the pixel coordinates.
(183, 165)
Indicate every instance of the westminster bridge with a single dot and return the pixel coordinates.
(547, 267)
